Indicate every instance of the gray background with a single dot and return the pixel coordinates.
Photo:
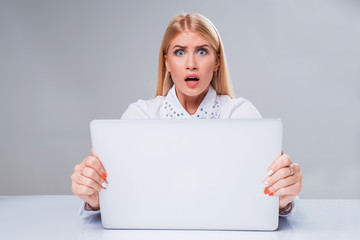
(64, 63)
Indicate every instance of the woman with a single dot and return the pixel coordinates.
(193, 82)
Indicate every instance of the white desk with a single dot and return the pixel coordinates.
(56, 217)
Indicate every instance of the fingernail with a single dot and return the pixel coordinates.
(270, 172)
(266, 191)
(265, 184)
(104, 184)
(271, 194)
(104, 175)
(102, 190)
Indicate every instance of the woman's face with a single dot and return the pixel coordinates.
(191, 62)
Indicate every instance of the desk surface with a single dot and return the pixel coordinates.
(56, 217)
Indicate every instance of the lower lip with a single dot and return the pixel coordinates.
(192, 83)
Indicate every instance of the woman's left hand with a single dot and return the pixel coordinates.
(284, 180)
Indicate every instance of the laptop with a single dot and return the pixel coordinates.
(187, 174)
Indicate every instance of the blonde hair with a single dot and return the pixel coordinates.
(199, 24)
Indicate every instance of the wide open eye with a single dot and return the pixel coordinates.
(202, 51)
(179, 52)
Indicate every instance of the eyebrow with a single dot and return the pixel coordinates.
(200, 46)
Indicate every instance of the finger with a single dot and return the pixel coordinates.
(81, 190)
(283, 183)
(88, 182)
(87, 194)
(281, 162)
(77, 167)
(292, 190)
(77, 178)
(280, 174)
(91, 174)
(93, 154)
(95, 164)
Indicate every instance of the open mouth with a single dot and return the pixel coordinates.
(192, 80)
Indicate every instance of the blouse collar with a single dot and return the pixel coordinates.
(208, 109)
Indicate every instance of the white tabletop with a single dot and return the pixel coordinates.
(56, 217)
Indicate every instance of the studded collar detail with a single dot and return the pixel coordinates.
(208, 109)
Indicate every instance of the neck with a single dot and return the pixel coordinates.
(190, 103)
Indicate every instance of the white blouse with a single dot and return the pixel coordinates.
(213, 106)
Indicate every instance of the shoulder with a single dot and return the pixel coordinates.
(144, 109)
(237, 108)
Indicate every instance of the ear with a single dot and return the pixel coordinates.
(217, 62)
(166, 63)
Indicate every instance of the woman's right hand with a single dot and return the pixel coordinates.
(88, 179)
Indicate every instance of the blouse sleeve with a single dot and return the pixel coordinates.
(288, 210)
(86, 211)
(134, 112)
(245, 110)
(239, 108)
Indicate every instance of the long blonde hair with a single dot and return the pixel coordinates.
(199, 24)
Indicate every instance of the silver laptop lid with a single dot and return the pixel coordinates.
(187, 174)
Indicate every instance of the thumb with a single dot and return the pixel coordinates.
(92, 154)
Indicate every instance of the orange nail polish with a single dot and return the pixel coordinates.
(266, 191)
(104, 175)
(271, 194)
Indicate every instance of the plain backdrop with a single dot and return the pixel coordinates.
(64, 63)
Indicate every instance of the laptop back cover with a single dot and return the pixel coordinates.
(187, 174)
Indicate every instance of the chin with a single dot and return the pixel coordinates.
(193, 91)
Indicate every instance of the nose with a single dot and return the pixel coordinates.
(191, 62)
